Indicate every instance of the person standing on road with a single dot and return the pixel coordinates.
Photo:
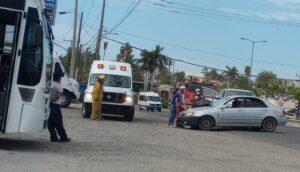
(82, 89)
(55, 122)
(175, 99)
(97, 99)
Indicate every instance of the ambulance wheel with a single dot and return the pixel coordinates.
(66, 99)
(85, 112)
(129, 116)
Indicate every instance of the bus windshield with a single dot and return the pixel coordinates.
(112, 80)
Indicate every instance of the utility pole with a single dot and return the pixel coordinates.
(97, 54)
(78, 42)
(173, 72)
(73, 58)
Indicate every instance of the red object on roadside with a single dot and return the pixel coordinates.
(179, 109)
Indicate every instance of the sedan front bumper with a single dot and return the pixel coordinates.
(188, 120)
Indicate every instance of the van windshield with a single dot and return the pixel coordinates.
(153, 99)
(112, 80)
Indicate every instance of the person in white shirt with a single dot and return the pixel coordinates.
(55, 122)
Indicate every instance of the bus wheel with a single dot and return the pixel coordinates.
(65, 99)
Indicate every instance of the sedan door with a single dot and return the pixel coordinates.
(255, 111)
(232, 113)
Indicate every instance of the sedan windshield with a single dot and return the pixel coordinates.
(112, 80)
(153, 99)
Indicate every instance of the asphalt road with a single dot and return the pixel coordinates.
(147, 144)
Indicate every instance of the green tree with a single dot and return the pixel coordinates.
(242, 83)
(296, 95)
(231, 75)
(262, 81)
(213, 74)
(125, 52)
(179, 76)
(151, 62)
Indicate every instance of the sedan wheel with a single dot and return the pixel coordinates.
(206, 123)
(269, 124)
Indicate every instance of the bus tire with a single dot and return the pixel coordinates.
(66, 99)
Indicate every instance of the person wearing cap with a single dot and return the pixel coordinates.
(97, 98)
(55, 122)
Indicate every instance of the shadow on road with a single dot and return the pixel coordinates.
(23, 145)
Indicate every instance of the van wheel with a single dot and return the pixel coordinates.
(129, 116)
(85, 112)
(65, 99)
(159, 110)
(152, 109)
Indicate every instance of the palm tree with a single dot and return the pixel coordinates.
(131, 60)
(247, 71)
(153, 61)
(231, 75)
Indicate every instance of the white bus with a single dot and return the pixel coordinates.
(25, 66)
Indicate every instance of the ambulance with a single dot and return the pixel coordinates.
(118, 94)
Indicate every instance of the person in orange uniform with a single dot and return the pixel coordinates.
(97, 99)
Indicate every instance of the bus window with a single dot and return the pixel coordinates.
(31, 64)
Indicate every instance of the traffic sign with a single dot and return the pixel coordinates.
(51, 10)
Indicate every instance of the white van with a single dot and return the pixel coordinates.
(118, 94)
(149, 101)
(70, 86)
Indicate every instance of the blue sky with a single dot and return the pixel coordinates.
(212, 28)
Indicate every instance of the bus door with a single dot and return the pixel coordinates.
(30, 91)
(9, 28)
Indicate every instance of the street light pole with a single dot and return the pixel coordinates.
(97, 55)
(73, 59)
(253, 45)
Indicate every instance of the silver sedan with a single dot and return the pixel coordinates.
(235, 111)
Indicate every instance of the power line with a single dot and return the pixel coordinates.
(208, 13)
(182, 61)
(123, 19)
(205, 52)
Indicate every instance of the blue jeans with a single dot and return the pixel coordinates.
(173, 114)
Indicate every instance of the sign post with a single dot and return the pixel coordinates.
(51, 10)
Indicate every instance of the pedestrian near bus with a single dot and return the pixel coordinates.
(97, 99)
(55, 121)
(174, 101)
